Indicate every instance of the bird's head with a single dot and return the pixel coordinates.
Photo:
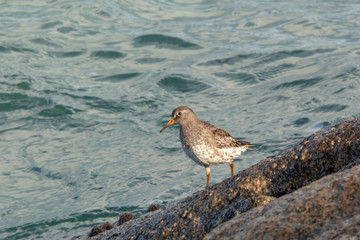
(181, 115)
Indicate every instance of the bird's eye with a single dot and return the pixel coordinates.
(179, 113)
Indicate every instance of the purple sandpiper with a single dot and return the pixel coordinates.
(204, 143)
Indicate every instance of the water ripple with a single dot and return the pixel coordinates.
(118, 77)
(66, 54)
(300, 83)
(58, 110)
(107, 54)
(182, 83)
(330, 108)
(163, 41)
(15, 101)
(46, 42)
(242, 78)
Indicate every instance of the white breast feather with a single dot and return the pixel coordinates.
(206, 156)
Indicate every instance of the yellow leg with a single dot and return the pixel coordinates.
(232, 168)
(208, 177)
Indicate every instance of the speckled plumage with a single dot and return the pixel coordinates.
(204, 143)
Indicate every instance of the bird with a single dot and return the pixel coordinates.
(205, 143)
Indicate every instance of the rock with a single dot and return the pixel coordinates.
(99, 229)
(107, 226)
(152, 208)
(325, 152)
(125, 218)
(326, 209)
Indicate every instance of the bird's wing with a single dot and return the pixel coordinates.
(223, 139)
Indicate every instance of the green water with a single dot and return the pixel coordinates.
(85, 87)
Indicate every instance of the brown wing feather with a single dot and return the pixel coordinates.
(223, 139)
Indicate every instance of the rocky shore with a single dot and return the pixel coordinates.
(310, 191)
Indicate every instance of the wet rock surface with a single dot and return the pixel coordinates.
(152, 208)
(326, 209)
(325, 152)
(125, 218)
(101, 228)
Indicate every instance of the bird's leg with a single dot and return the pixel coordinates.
(208, 177)
(232, 168)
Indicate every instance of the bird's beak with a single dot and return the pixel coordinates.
(168, 124)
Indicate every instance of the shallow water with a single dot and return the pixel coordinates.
(86, 86)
